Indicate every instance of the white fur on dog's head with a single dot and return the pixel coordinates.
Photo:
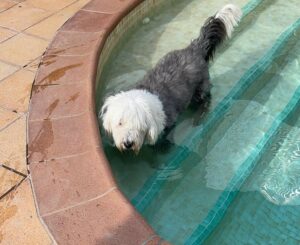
(133, 116)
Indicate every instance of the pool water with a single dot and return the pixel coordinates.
(231, 175)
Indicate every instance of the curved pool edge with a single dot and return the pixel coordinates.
(76, 195)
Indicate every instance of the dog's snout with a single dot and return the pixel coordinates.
(128, 144)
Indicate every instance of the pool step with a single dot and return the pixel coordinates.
(272, 185)
(188, 200)
(267, 207)
(236, 178)
(254, 220)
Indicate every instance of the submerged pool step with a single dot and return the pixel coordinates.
(274, 185)
(268, 205)
(155, 182)
(254, 220)
(241, 173)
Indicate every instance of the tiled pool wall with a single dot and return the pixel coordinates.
(75, 193)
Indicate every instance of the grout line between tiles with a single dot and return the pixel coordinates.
(80, 203)
(12, 122)
(60, 117)
(4, 78)
(15, 33)
(35, 36)
(68, 55)
(41, 20)
(9, 7)
(12, 188)
(22, 32)
(13, 170)
(101, 12)
(9, 63)
(38, 212)
(9, 28)
(53, 13)
(24, 1)
(3, 41)
(150, 239)
(63, 157)
(102, 31)
(21, 113)
(48, 10)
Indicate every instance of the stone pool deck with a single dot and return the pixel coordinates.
(55, 190)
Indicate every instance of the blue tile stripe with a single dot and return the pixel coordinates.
(216, 214)
(250, 6)
(154, 183)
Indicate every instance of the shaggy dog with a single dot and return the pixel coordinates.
(181, 77)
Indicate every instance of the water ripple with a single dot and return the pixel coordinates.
(280, 181)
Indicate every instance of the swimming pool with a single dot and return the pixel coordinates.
(230, 176)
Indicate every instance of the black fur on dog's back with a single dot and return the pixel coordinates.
(212, 34)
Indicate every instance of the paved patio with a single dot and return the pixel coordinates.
(26, 28)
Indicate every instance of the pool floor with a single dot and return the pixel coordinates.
(231, 176)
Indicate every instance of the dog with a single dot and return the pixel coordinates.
(141, 114)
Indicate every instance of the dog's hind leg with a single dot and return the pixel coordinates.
(202, 96)
(200, 102)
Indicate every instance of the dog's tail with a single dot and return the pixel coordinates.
(217, 28)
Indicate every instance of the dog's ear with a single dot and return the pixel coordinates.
(105, 120)
(152, 134)
(102, 111)
(156, 124)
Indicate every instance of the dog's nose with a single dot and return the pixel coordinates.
(128, 144)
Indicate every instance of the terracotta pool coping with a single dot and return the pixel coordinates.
(76, 195)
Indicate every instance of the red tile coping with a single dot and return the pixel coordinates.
(76, 194)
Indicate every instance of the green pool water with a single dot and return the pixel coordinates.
(232, 175)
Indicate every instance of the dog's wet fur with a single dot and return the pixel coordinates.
(180, 79)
